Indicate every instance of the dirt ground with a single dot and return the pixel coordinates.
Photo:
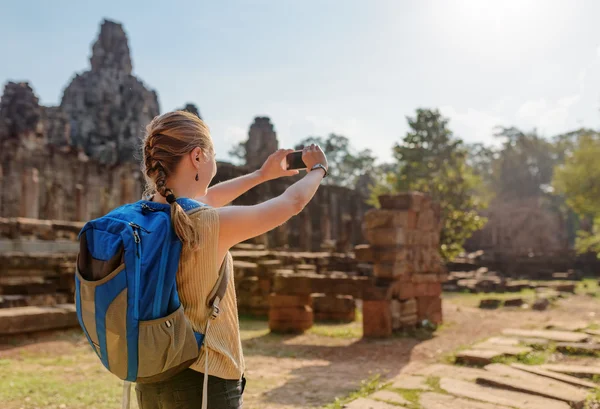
(59, 370)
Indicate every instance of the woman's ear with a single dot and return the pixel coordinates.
(197, 156)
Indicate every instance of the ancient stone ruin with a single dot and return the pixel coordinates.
(262, 141)
(108, 107)
(79, 160)
(404, 247)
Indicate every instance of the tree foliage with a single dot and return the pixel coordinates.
(430, 159)
(578, 181)
(346, 165)
(238, 152)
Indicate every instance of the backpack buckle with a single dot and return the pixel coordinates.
(215, 309)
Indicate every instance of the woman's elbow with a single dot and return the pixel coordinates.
(297, 205)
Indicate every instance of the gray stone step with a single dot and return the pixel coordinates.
(506, 377)
(574, 370)
(410, 382)
(478, 357)
(555, 375)
(365, 403)
(559, 336)
(431, 400)
(506, 350)
(577, 348)
(389, 396)
(453, 372)
(499, 396)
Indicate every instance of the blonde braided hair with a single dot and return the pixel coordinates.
(168, 138)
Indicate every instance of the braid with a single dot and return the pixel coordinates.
(169, 137)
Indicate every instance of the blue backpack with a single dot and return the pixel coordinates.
(126, 293)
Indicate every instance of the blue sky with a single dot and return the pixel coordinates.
(357, 68)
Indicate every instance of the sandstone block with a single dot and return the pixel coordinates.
(402, 201)
(377, 319)
(286, 301)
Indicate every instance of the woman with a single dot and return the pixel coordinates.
(179, 161)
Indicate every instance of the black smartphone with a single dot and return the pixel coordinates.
(294, 160)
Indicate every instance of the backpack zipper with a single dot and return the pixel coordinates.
(138, 266)
(148, 208)
(161, 271)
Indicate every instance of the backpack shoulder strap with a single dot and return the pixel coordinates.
(218, 291)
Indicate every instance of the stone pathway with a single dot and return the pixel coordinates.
(494, 385)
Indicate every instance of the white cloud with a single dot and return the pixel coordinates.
(550, 116)
(473, 125)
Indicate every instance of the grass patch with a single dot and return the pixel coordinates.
(434, 383)
(367, 388)
(535, 357)
(411, 395)
(51, 387)
(588, 286)
(344, 331)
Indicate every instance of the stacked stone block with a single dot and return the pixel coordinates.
(403, 238)
(291, 304)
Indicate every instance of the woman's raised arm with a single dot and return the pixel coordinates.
(240, 223)
(226, 192)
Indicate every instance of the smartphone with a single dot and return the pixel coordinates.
(294, 160)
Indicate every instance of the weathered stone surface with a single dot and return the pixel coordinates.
(389, 396)
(559, 336)
(583, 348)
(98, 101)
(505, 377)
(31, 319)
(503, 341)
(567, 326)
(555, 375)
(506, 350)
(477, 357)
(490, 303)
(499, 396)
(452, 372)
(285, 301)
(432, 400)
(377, 319)
(290, 319)
(513, 302)
(574, 370)
(430, 308)
(365, 403)
(334, 307)
(410, 382)
(375, 218)
(403, 201)
(541, 304)
(262, 141)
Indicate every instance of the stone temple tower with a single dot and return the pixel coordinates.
(108, 108)
(262, 141)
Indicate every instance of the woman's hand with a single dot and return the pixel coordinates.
(275, 166)
(311, 155)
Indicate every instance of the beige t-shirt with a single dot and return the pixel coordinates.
(196, 277)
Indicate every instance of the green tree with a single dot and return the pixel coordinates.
(430, 159)
(238, 152)
(524, 165)
(346, 165)
(578, 181)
